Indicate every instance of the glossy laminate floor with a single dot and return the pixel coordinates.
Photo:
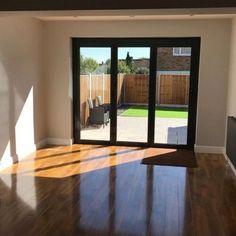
(99, 190)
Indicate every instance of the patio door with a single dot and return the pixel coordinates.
(173, 69)
(135, 91)
(94, 92)
(133, 94)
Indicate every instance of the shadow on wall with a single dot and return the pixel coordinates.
(17, 121)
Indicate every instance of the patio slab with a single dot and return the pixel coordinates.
(167, 130)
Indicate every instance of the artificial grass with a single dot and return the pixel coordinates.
(162, 112)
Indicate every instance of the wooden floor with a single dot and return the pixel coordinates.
(98, 190)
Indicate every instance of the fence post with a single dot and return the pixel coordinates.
(103, 87)
(90, 85)
(124, 82)
(158, 78)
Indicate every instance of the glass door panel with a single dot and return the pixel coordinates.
(172, 95)
(132, 93)
(95, 93)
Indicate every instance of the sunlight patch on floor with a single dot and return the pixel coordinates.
(63, 162)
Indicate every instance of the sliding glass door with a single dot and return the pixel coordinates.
(172, 95)
(133, 94)
(135, 91)
(94, 93)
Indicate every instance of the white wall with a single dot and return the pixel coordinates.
(231, 103)
(231, 98)
(215, 35)
(22, 122)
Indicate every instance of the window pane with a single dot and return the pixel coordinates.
(182, 51)
(186, 51)
(172, 94)
(133, 94)
(95, 93)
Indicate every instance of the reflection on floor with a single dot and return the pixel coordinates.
(167, 130)
(98, 190)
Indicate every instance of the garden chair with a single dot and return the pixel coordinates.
(97, 115)
(106, 106)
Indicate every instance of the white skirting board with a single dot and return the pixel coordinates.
(230, 163)
(41, 144)
(58, 141)
(7, 160)
(54, 141)
(209, 149)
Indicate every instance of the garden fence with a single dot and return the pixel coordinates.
(133, 89)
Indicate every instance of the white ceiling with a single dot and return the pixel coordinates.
(132, 17)
(116, 15)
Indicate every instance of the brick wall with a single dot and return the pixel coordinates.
(167, 62)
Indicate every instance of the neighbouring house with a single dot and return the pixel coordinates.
(169, 59)
(173, 59)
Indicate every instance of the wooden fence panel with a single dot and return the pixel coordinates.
(120, 89)
(84, 95)
(165, 89)
(187, 82)
(174, 89)
(136, 88)
(107, 85)
(100, 86)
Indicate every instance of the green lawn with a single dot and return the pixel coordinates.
(162, 112)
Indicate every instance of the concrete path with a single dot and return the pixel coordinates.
(167, 130)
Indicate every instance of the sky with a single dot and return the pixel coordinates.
(102, 54)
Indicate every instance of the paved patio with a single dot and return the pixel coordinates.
(167, 130)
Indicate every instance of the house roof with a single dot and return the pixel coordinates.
(101, 69)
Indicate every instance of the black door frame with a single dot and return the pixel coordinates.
(153, 44)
